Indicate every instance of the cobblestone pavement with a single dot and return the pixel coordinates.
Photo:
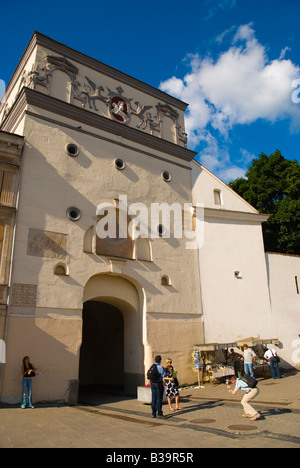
(114, 422)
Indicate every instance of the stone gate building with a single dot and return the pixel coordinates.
(91, 310)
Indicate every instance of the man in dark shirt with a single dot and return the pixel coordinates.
(157, 389)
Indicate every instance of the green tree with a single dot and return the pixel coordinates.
(272, 186)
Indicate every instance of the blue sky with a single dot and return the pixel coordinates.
(233, 61)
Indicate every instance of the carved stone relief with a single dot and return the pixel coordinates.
(42, 75)
(120, 108)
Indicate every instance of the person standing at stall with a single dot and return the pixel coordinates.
(249, 359)
(271, 356)
(236, 360)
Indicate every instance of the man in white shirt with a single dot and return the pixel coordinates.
(249, 358)
(271, 356)
(251, 393)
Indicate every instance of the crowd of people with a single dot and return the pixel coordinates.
(244, 379)
(244, 363)
(166, 378)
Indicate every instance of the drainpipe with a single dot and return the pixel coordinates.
(11, 268)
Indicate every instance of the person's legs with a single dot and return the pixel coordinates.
(177, 402)
(237, 369)
(154, 393)
(249, 410)
(170, 403)
(24, 393)
(277, 370)
(274, 366)
(249, 370)
(160, 399)
(30, 393)
(272, 362)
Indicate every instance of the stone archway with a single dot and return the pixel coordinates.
(112, 351)
(101, 365)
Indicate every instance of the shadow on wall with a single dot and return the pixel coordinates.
(53, 347)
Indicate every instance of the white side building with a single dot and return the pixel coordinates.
(244, 292)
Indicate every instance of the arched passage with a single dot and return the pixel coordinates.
(102, 351)
(112, 352)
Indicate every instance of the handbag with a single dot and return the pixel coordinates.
(276, 358)
(175, 380)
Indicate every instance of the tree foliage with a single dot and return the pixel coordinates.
(272, 186)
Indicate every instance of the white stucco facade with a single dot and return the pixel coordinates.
(284, 275)
(78, 303)
(60, 265)
(233, 275)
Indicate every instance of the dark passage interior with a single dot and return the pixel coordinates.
(101, 365)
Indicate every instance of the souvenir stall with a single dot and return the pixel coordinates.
(261, 368)
(212, 361)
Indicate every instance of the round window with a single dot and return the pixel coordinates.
(119, 164)
(73, 213)
(166, 176)
(72, 150)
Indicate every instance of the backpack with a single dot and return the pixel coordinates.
(250, 381)
(153, 375)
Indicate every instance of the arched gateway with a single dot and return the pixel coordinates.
(112, 350)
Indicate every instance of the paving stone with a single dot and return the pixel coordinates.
(113, 422)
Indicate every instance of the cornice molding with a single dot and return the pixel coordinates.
(228, 215)
(32, 97)
(11, 148)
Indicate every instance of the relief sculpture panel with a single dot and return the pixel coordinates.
(46, 244)
(119, 108)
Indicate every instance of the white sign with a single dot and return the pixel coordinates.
(2, 352)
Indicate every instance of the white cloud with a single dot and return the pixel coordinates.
(221, 36)
(2, 91)
(241, 86)
(217, 159)
(247, 157)
(284, 52)
(215, 6)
